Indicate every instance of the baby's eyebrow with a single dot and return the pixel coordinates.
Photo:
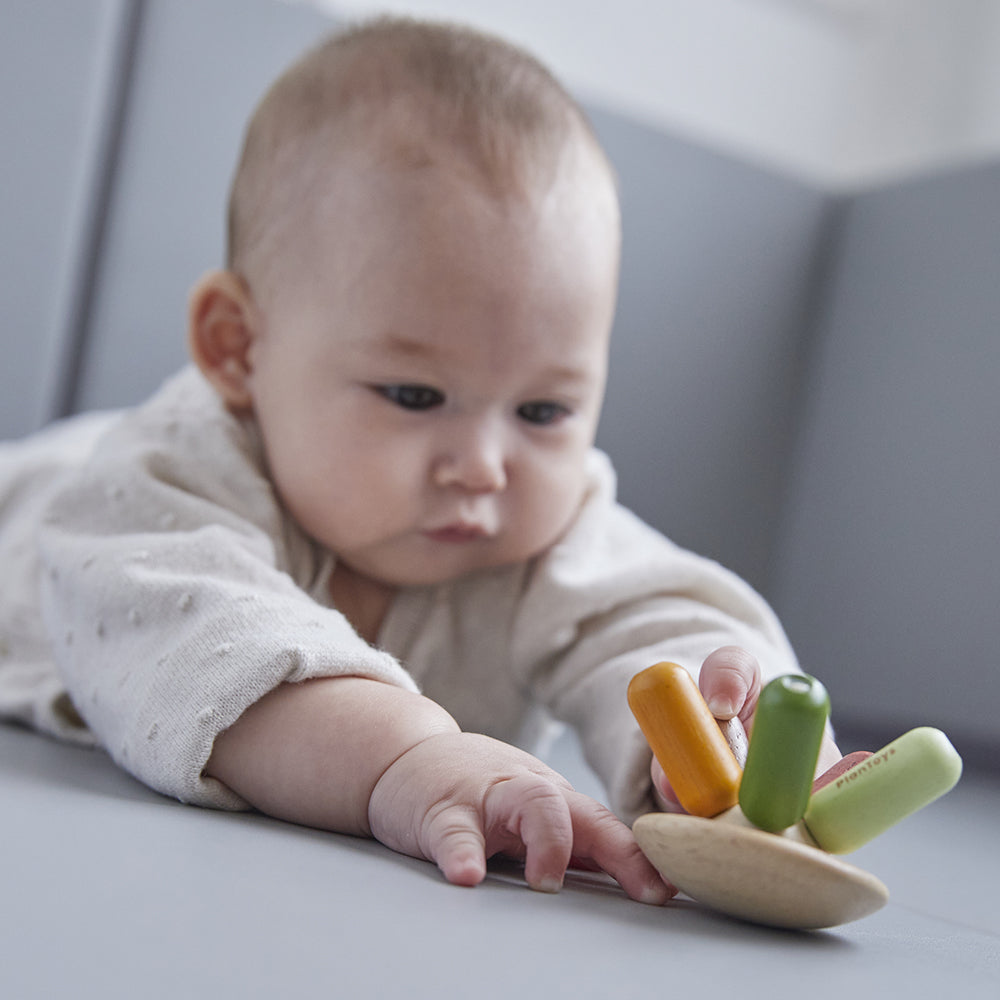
(566, 373)
(400, 343)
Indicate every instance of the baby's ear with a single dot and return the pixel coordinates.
(222, 325)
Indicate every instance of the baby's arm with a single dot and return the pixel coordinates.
(362, 757)
(730, 682)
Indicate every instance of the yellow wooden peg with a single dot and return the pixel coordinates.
(685, 738)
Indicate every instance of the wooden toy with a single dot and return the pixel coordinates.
(782, 875)
(789, 723)
(904, 776)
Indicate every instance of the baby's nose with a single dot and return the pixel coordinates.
(475, 462)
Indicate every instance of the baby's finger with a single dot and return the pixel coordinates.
(528, 815)
(730, 682)
(455, 843)
(666, 797)
(599, 835)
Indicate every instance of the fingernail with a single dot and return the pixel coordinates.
(721, 707)
(656, 894)
(549, 884)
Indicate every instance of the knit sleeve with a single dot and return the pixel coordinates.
(615, 597)
(174, 598)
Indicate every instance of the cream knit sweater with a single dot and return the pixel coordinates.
(154, 588)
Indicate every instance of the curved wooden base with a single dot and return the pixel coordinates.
(761, 877)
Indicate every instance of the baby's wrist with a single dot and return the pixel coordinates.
(401, 792)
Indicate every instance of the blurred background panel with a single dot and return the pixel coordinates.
(805, 364)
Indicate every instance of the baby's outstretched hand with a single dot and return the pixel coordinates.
(457, 799)
(730, 683)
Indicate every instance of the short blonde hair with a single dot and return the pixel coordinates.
(419, 86)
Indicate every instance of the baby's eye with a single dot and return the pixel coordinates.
(411, 397)
(542, 412)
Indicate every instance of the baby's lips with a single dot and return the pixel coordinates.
(842, 765)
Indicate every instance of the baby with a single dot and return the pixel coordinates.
(336, 569)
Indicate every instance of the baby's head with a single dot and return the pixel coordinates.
(423, 258)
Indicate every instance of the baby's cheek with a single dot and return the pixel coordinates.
(555, 501)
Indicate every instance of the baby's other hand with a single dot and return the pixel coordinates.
(457, 799)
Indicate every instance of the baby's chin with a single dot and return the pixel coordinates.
(429, 574)
(429, 578)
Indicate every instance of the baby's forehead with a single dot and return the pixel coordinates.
(340, 116)
(411, 134)
(404, 158)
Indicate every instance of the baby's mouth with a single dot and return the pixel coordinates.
(458, 533)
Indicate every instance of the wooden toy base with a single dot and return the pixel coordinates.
(761, 877)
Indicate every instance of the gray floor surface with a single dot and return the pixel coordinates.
(112, 891)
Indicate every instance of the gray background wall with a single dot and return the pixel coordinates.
(721, 265)
(803, 386)
(887, 571)
(48, 125)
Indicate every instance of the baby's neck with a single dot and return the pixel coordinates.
(361, 600)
